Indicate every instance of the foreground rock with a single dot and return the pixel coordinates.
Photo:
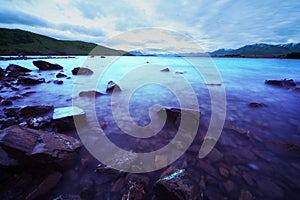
(82, 71)
(177, 186)
(281, 83)
(112, 86)
(43, 65)
(64, 117)
(16, 68)
(37, 147)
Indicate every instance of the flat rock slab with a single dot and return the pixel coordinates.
(64, 112)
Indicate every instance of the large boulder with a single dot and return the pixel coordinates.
(90, 93)
(16, 68)
(43, 65)
(30, 145)
(82, 71)
(177, 186)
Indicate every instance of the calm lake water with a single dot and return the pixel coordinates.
(243, 80)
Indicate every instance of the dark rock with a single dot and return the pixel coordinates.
(67, 197)
(58, 82)
(224, 172)
(112, 86)
(45, 186)
(286, 147)
(7, 122)
(177, 186)
(30, 80)
(256, 105)
(229, 187)
(87, 189)
(245, 195)
(135, 192)
(248, 178)
(2, 73)
(60, 75)
(6, 102)
(90, 93)
(43, 65)
(6, 161)
(42, 147)
(36, 116)
(297, 89)
(214, 155)
(165, 70)
(16, 68)
(82, 71)
(64, 117)
(281, 83)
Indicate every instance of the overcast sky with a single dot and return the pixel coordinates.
(212, 24)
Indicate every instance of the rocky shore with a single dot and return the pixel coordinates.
(42, 157)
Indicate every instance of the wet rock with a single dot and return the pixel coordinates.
(112, 86)
(64, 117)
(43, 65)
(86, 185)
(7, 122)
(224, 172)
(36, 116)
(90, 93)
(135, 192)
(5, 102)
(58, 82)
(177, 186)
(46, 185)
(30, 80)
(270, 189)
(118, 185)
(165, 70)
(68, 197)
(286, 147)
(247, 178)
(281, 83)
(60, 75)
(138, 178)
(2, 73)
(16, 68)
(228, 187)
(23, 143)
(256, 105)
(6, 161)
(245, 195)
(82, 71)
(215, 155)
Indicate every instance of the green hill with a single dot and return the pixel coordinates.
(19, 42)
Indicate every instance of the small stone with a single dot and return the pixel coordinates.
(60, 75)
(82, 71)
(112, 86)
(245, 195)
(248, 178)
(224, 172)
(165, 70)
(229, 186)
(58, 82)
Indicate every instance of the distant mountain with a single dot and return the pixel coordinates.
(20, 42)
(260, 50)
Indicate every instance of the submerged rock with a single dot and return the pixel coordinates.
(60, 75)
(281, 83)
(43, 65)
(30, 80)
(177, 186)
(82, 71)
(16, 68)
(90, 93)
(256, 105)
(112, 86)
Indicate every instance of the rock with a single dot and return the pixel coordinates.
(177, 186)
(90, 93)
(228, 187)
(58, 82)
(215, 155)
(30, 80)
(82, 71)
(6, 161)
(64, 117)
(247, 178)
(2, 73)
(47, 184)
(270, 189)
(281, 83)
(5, 102)
(68, 197)
(135, 192)
(7, 122)
(86, 184)
(118, 185)
(297, 89)
(245, 195)
(256, 105)
(112, 86)
(138, 178)
(60, 75)
(37, 147)
(224, 172)
(16, 68)
(36, 116)
(43, 65)
(178, 72)
(165, 70)
(286, 147)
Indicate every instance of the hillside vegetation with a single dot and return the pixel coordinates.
(19, 42)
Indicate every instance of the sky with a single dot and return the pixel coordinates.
(210, 24)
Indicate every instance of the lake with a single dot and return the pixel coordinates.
(259, 145)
